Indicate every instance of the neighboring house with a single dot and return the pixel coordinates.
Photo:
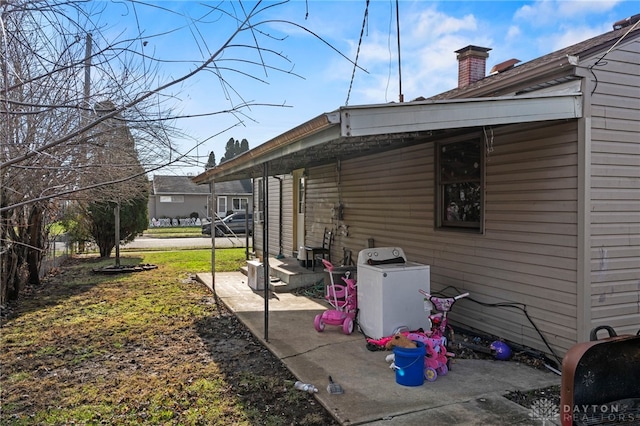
(521, 187)
(178, 197)
(233, 196)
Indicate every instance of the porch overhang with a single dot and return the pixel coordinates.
(354, 131)
(456, 114)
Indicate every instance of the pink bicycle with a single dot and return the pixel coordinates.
(441, 333)
(439, 324)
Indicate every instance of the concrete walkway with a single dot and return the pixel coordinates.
(471, 394)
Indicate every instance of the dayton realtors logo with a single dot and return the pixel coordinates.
(544, 410)
(618, 414)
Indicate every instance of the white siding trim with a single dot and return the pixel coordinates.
(455, 114)
(583, 283)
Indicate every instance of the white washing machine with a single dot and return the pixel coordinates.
(388, 296)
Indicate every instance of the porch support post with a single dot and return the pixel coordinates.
(212, 209)
(265, 248)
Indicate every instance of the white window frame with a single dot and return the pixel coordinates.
(172, 198)
(242, 204)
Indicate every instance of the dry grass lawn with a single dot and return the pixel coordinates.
(151, 347)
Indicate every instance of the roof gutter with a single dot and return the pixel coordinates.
(265, 151)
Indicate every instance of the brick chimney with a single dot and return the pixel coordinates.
(471, 64)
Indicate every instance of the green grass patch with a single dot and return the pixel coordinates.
(111, 348)
(20, 376)
(197, 260)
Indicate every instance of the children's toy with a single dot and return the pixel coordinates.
(441, 332)
(400, 340)
(500, 350)
(439, 323)
(435, 361)
(384, 342)
(343, 299)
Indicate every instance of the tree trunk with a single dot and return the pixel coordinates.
(106, 249)
(13, 272)
(36, 248)
(105, 243)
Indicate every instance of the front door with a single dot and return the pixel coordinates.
(299, 201)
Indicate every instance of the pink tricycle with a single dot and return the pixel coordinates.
(343, 299)
(435, 361)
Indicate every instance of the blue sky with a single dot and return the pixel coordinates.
(430, 32)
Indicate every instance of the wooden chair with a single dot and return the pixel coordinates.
(323, 251)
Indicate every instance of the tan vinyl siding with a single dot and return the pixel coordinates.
(615, 192)
(274, 216)
(389, 197)
(321, 196)
(527, 253)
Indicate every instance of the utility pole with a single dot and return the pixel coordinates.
(401, 97)
(117, 221)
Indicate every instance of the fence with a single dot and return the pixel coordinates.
(166, 222)
(57, 251)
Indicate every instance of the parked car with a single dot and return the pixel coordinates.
(235, 223)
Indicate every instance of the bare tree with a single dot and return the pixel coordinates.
(29, 95)
(58, 67)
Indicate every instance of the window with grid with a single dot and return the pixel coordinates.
(460, 185)
(240, 204)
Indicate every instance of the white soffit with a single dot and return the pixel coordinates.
(372, 120)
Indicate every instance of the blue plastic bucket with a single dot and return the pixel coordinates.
(410, 365)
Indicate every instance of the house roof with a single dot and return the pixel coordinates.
(234, 187)
(184, 185)
(502, 98)
(531, 75)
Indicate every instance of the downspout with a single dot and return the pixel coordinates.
(280, 255)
